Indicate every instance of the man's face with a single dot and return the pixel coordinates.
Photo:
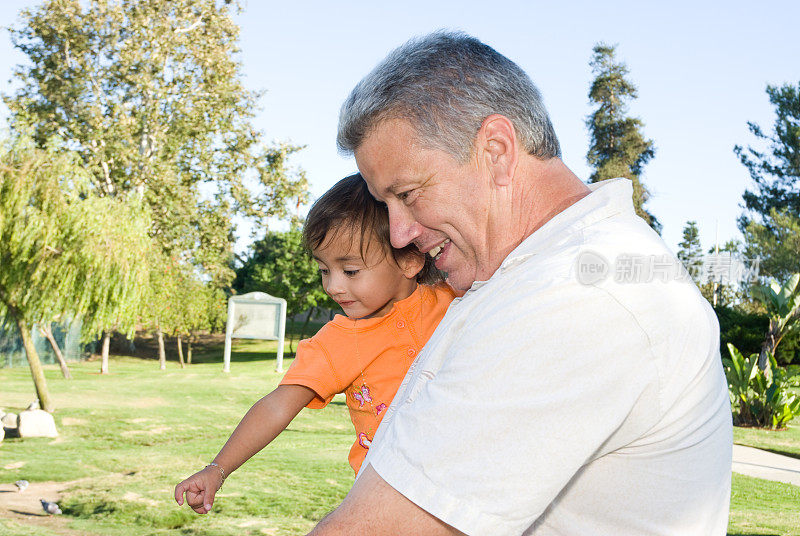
(435, 202)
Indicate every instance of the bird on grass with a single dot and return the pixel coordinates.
(21, 485)
(50, 507)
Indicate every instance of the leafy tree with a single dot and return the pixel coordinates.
(772, 207)
(690, 251)
(618, 147)
(279, 265)
(149, 94)
(64, 251)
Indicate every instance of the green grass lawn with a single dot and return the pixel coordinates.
(786, 442)
(128, 437)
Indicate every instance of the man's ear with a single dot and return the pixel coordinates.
(498, 141)
(411, 264)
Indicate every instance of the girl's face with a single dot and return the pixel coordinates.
(364, 287)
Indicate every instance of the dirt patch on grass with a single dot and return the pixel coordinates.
(130, 496)
(72, 421)
(148, 402)
(156, 430)
(25, 508)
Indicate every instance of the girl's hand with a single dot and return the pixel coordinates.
(200, 489)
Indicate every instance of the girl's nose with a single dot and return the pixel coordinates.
(334, 285)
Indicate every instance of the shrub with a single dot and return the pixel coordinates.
(746, 332)
(760, 398)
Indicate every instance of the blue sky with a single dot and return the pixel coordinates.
(701, 69)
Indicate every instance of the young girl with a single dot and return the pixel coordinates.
(365, 355)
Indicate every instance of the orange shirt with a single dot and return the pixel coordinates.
(367, 359)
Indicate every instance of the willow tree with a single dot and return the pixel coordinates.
(618, 147)
(149, 94)
(64, 251)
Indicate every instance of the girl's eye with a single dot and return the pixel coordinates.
(350, 273)
(323, 271)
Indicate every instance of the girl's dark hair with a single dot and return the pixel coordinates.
(348, 207)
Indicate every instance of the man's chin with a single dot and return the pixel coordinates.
(458, 281)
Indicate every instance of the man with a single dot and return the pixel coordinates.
(576, 388)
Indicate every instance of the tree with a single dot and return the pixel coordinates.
(776, 243)
(149, 94)
(725, 294)
(690, 251)
(64, 252)
(279, 265)
(772, 208)
(618, 147)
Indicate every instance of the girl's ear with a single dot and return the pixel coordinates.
(411, 264)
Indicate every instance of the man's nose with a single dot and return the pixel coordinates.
(403, 228)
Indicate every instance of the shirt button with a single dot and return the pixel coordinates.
(411, 352)
(400, 324)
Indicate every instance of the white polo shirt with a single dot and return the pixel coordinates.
(578, 391)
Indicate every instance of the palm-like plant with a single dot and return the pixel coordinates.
(783, 308)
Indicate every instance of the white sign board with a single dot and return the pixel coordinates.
(256, 315)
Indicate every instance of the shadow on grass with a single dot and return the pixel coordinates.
(750, 534)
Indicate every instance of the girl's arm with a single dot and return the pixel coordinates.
(266, 419)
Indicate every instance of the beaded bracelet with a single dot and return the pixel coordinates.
(221, 471)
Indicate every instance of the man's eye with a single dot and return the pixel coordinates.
(406, 197)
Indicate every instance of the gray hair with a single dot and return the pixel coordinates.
(445, 84)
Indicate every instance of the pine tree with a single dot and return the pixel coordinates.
(690, 251)
(618, 146)
(772, 208)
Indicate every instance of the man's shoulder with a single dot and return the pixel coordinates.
(616, 272)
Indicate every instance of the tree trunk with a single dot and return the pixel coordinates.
(47, 331)
(303, 329)
(769, 345)
(104, 353)
(305, 324)
(35, 364)
(189, 350)
(162, 356)
(180, 351)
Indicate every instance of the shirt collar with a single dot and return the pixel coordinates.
(606, 199)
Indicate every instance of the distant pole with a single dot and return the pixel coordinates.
(226, 361)
(716, 260)
(281, 335)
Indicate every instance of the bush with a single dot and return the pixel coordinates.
(760, 398)
(747, 331)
